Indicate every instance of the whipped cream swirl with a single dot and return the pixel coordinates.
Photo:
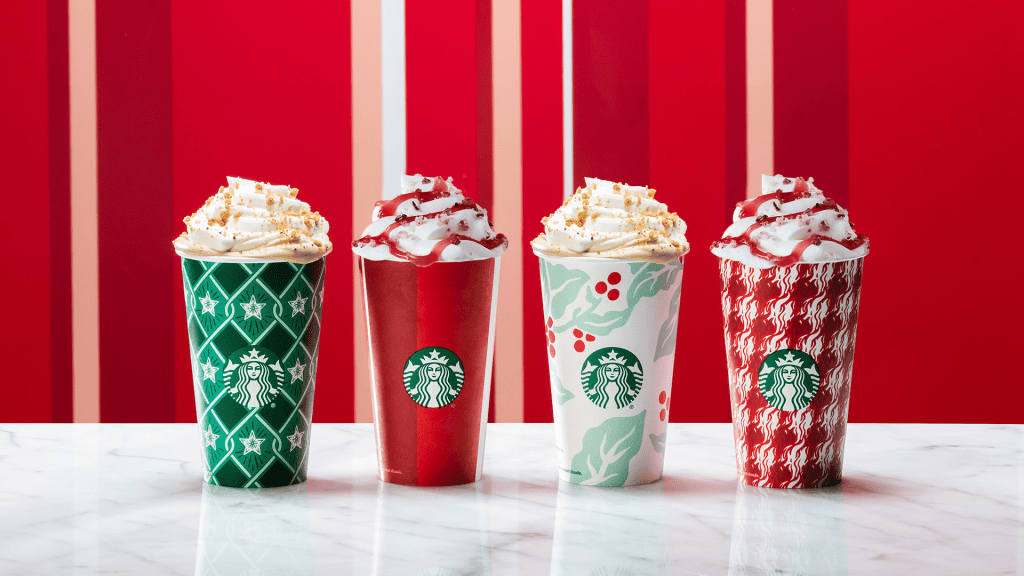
(791, 222)
(429, 221)
(609, 220)
(251, 219)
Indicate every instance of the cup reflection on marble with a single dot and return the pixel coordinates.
(255, 533)
(595, 535)
(430, 532)
(788, 532)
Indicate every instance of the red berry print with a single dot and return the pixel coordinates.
(663, 414)
(601, 288)
(590, 338)
(551, 350)
(613, 294)
(614, 278)
(577, 332)
(579, 346)
(551, 336)
(662, 397)
(551, 322)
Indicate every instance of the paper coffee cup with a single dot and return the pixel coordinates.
(789, 340)
(254, 332)
(431, 332)
(610, 329)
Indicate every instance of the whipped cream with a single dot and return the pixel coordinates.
(791, 222)
(609, 220)
(429, 221)
(251, 219)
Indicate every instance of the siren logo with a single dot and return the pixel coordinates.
(788, 379)
(250, 377)
(612, 376)
(433, 377)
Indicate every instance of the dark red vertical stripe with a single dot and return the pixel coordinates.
(137, 270)
(542, 184)
(735, 105)
(688, 167)
(936, 126)
(610, 92)
(25, 337)
(485, 127)
(59, 133)
(810, 90)
(441, 71)
(263, 90)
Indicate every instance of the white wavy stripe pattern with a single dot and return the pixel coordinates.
(757, 324)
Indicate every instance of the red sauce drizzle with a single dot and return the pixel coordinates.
(749, 208)
(388, 208)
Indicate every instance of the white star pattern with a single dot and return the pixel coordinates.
(209, 304)
(298, 305)
(296, 439)
(209, 438)
(296, 371)
(209, 370)
(252, 443)
(252, 308)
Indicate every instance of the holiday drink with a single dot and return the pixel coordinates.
(430, 263)
(611, 267)
(252, 262)
(791, 267)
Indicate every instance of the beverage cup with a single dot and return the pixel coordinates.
(431, 332)
(610, 330)
(789, 340)
(254, 332)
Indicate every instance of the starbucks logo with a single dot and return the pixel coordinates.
(612, 375)
(433, 377)
(253, 376)
(788, 379)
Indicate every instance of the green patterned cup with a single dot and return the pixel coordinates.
(254, 331)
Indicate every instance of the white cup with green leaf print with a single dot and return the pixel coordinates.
(611, 333)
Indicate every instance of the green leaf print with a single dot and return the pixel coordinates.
(658, 441)
(563, 286)
(667, 335)
(607, 450)
(560, 393)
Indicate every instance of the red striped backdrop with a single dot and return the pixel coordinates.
(909, 115)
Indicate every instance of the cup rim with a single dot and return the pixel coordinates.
(239, 259)
(600, 258)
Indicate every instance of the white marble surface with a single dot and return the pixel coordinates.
(129, 499)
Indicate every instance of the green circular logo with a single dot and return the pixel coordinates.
(253, 376)
(789, 379)
(612, 376)
(433, 377)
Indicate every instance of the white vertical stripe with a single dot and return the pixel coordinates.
(367, 179)
(392, 37)
(488, 369)
(567, 98)
(85, 293)
(760, 95)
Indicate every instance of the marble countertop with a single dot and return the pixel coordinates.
(111, 498)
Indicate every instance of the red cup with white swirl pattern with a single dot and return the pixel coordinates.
(789, 339)
(791, 267)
